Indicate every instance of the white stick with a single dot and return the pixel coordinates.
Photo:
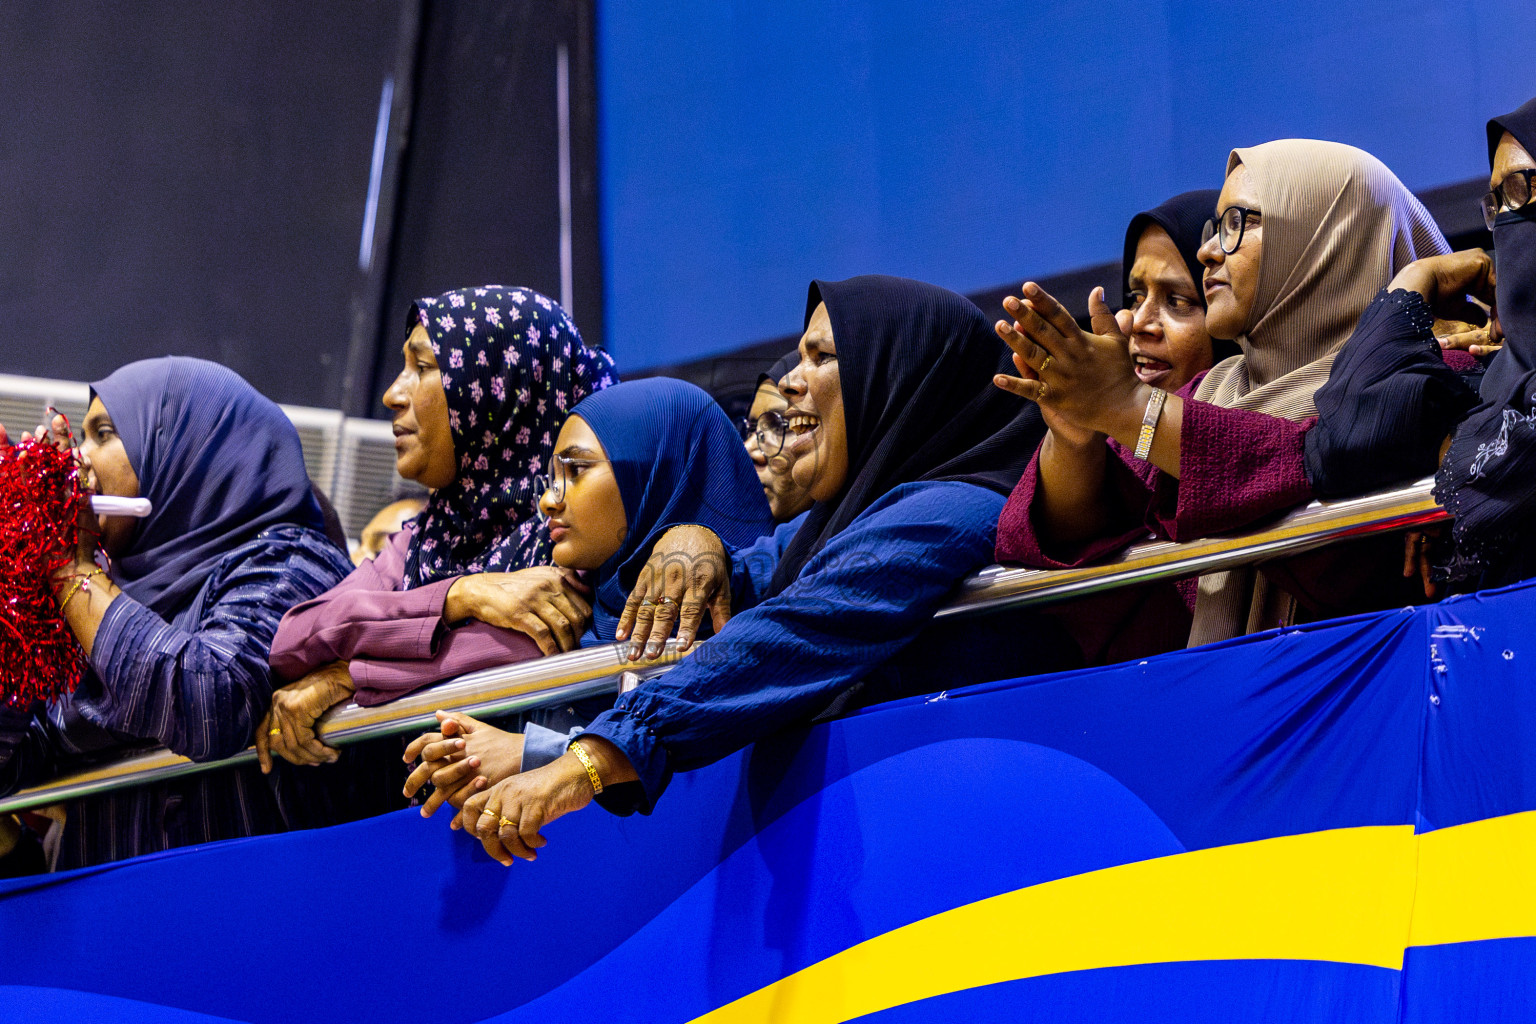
(107, 505)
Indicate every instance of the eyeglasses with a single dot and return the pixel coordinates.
(1228, 227)
(1510, 194)
(565, 467)
(769, 429)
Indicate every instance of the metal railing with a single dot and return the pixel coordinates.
(586, 673)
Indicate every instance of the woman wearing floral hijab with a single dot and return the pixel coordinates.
(490, 373)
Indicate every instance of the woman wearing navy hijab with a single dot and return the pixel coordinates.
(630, 463)
(178, 627)
(909, 453)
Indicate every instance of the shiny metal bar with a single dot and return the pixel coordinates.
(1313, 526)
(493, 691)
(597, 670)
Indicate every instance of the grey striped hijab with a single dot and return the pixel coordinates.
(1338, 226)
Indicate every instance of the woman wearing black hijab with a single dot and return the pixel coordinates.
(1485, 479)
(1164, 301)
(909, 452)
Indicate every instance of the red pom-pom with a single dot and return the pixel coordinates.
(40, 496)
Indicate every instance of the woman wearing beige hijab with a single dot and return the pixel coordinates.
(1304, 235)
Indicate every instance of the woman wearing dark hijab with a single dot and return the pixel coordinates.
(631, 463)
(490, 374)
(1306, 233)
(1163, 318)
(908, 454)
(765, 434)
(1485, 480)
(178, 627)
(1164, 300)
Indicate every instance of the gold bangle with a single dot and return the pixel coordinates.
(586, 762)
(80, 584)
(1149, 423)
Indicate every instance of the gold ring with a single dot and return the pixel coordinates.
(668, 600)
(1044, 387)
(1045, 363)
(646, 602)
(505, 821)
(274, 732)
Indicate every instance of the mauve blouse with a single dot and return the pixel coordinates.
(394, 640)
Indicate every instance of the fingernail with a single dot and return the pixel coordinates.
(621, 634)
(652, 649)
(474, 762)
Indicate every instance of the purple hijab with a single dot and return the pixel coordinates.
(219, 462)
(513, 365)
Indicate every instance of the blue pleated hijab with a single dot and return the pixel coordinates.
(678, 461)
(219, 462)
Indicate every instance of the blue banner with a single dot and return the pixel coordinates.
(1329, 823)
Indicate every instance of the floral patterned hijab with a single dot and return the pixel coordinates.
(513, 365)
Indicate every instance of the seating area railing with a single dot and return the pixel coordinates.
(599, 670)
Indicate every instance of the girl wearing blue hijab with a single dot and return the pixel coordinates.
(630, 463)
(177, 627)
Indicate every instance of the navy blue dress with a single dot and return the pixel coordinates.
(197, 684)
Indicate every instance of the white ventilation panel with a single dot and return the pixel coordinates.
(320, 434)
(24, 401)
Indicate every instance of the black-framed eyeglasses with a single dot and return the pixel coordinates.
(564, 468)
(769, 429)
(1228, 228)
(1510, 194)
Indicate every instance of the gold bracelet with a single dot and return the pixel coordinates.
(1149, 423)
(586, 762)
(80, 584)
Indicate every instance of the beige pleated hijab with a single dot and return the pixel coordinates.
(1338, 226)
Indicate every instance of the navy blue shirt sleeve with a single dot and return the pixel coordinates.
(859, 600)
(198, 685)
(752, 566)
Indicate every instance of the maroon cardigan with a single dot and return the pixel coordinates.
(1236, 466)
(394, 640)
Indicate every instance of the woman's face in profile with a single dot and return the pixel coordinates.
(1169, 341)
(108, 471)
(582, 502)
(786, 498)
(423, 438)
(817, 440)
(1232, 279)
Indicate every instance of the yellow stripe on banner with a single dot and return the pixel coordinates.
(1355, 895)
(1477, 881)
(1344, 895)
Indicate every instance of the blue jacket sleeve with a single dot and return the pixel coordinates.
(856, 604)
(752, 566)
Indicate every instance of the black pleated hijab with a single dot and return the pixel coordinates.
(1488, 478)
(916, 363)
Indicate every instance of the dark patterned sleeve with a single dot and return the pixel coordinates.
(201, 690)
(1390, 401)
